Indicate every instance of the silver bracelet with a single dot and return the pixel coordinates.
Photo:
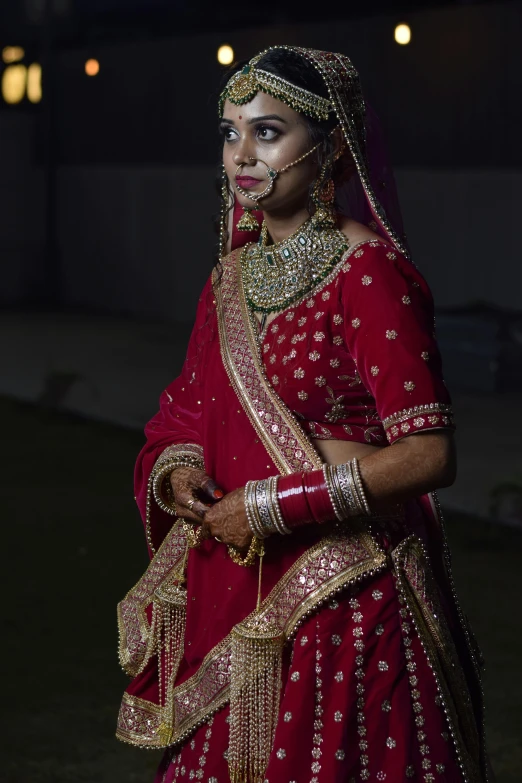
(334, 500)
(263, 507)
(354, 464)
(273, 505)
(352, 506)
(250, 508)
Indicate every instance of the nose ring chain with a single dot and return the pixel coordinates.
(255, 197)
(272, 174)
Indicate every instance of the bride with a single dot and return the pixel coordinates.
(298, 620)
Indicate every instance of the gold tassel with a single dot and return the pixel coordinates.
(255, 677)
(169, 618)
(247, 221)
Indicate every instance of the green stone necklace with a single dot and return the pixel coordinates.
(276, 276)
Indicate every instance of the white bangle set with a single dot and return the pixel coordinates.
(346, 490)
(262, 508)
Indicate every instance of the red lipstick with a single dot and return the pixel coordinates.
(247, 182)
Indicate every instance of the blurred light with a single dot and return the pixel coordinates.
(34, 82)
(12, 54)
(92, 67)
(225, 55)
(14, 79)
(403, 34)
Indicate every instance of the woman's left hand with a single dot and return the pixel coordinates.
(227, 520)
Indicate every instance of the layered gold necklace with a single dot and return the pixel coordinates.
(276, 276)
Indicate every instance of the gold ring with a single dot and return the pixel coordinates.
(191, 503)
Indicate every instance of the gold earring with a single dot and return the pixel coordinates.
(247, 221)
(323, 195)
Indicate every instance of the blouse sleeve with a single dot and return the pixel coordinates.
(389, 317)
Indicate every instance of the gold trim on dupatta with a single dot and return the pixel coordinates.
(418, 588)
(285, 441)
(134, 629)
(139, 723)
(325, 569)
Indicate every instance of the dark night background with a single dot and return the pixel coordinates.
(107, 199)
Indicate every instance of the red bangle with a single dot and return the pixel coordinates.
(317, 496)
(304, 499)
(292, 501)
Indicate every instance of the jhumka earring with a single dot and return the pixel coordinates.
(323, 195)
(247, 221)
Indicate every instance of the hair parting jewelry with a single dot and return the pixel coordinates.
(247, 82)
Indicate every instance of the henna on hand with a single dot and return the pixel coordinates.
(190, 484)
(228, 521)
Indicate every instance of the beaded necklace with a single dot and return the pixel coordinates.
(275, 276)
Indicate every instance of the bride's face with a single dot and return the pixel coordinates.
(271, 133)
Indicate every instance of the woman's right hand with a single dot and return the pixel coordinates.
(194, 493)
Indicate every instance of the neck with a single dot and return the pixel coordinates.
(282, 226)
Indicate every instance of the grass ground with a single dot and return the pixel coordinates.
(73, 545)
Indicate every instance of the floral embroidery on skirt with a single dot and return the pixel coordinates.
(359, 702)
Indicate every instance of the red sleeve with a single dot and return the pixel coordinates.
(389, 319)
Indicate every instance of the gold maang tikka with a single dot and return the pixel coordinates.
(247, 82)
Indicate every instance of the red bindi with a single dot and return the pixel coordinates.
(240, 117)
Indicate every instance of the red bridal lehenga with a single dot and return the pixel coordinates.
(379, 678)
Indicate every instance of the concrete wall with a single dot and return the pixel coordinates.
(21, 209)
(141, 241)
(138, 148)
(463, 230)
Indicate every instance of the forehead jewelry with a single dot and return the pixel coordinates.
(247, 82)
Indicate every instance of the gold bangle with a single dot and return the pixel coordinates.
(160, 476)
(256, 547)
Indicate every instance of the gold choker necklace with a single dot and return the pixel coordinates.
(276, 276)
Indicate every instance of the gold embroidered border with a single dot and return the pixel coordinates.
(285, 441)
(178, 450)
(418, 587)
(418, 410)
(471, 643)
(326, 568)
(138, 722)
(133, 625)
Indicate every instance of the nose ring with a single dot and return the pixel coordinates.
(256, 197)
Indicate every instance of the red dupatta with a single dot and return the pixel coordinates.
(245, 432)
